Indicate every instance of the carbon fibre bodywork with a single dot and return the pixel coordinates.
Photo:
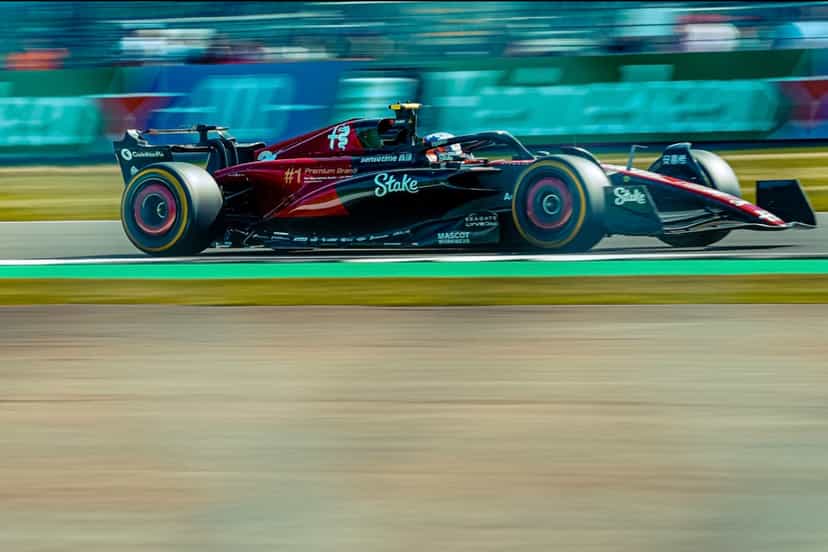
(374, 182)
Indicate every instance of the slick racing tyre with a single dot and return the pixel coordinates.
(717, 175)
(167, 209)
(558, 204)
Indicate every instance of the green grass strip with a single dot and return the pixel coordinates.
(499, 269)
(425, 292)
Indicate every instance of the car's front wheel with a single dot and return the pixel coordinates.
(558, 204)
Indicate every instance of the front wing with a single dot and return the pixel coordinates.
(781, 205)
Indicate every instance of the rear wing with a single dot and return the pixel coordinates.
(134, 151)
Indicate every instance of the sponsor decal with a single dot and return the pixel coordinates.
(388, 158)
(319, 174)
(266, 156)
(339, 137)
(129, 155)
(349, 239)
(156, 153)
(674, 159)
(623, 195)
(328, 172)
(388, 183)
(453, 237)
(481, 220)
(293, 175)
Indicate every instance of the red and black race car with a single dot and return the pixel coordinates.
(376, 183)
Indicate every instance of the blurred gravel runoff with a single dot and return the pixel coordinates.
(656, 428)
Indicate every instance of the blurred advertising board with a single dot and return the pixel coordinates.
(805, 109)
(47, 112)
(256, 101)
(466, 101)
(719, 96)
(715, 96)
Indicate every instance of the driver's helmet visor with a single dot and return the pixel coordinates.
(440, 152)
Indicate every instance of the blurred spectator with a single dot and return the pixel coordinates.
(802, 34)
(36, 57)
(105, 33)
(222, 49)
(708, 33)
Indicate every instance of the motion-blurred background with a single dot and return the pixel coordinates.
(77, 73)
(164, 428)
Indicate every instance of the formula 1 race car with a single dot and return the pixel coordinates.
(376, 183)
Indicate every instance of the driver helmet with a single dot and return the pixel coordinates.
(441, 153)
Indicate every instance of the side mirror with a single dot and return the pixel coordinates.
(633, 148)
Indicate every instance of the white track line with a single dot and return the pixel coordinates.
(114, 261)
(442, 259)
(544, 258)
(22, 222)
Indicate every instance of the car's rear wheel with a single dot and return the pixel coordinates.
(718, 175)
(558, 204)
(168, 209)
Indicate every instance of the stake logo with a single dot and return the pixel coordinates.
(623, 195)
(388, 183)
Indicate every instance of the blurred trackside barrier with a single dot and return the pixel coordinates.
(48, 122)
(748, 95)
(257, 101)
(806, 103)
(603, 112)
(642, 97)
(45, 112)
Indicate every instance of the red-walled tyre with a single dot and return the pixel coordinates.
(558, 204)
(168, 209)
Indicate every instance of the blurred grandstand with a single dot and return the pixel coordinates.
(41, 35)
(550, 72)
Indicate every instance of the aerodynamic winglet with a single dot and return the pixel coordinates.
(786, 200)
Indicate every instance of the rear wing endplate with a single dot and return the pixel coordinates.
(134, 153)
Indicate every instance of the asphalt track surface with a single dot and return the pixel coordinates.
(661, 428)
(105, 241)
